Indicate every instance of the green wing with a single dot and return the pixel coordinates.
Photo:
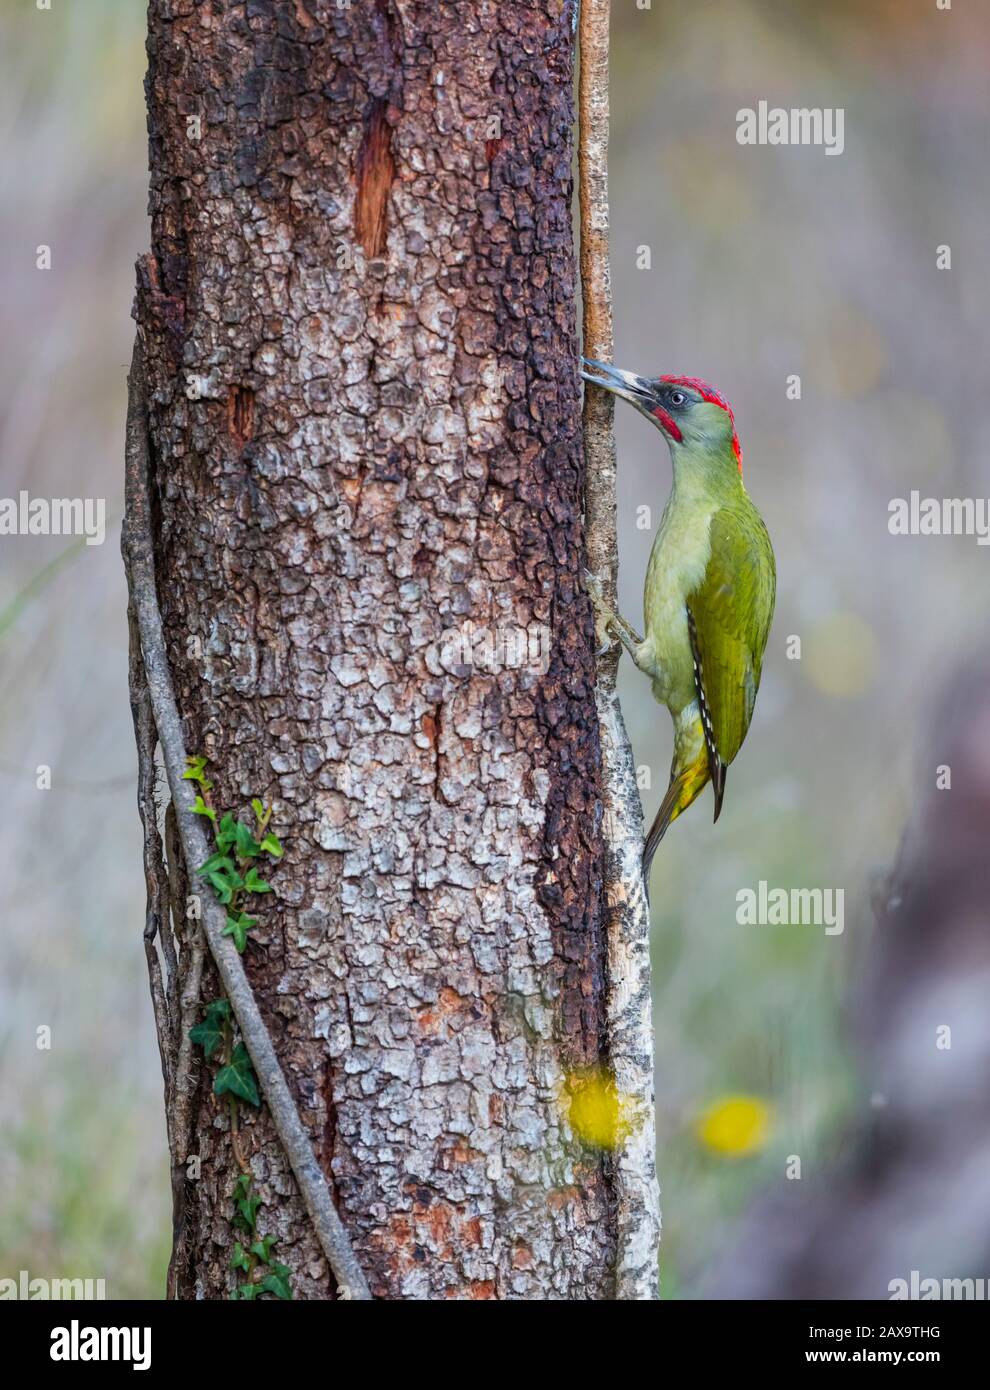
(729, 616)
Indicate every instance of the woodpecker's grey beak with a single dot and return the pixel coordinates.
(634, 389)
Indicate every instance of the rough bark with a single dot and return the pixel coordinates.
(629, 1004)
(358, 328)
(180, 937)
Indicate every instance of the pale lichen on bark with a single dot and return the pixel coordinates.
(629, 1023)
(361, 354)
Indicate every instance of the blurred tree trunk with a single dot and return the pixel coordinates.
(358, 327)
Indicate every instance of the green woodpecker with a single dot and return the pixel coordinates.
(710, 587)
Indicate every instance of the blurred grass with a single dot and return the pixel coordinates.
(82, 1193)
(13, 607)
(756, 1010)
(84, 1188)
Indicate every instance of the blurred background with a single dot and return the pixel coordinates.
(763, 264)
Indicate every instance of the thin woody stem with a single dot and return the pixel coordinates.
(232, 1112)
(235, 1138)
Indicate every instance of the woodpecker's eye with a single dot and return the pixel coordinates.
(677, 398)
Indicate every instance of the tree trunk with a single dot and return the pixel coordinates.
(357, 322)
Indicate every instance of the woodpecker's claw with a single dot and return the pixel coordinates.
(593, 586)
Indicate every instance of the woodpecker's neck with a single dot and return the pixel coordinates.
(705, 474)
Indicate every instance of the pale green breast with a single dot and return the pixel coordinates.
(678, 562)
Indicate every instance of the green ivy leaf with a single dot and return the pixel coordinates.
(238, 927)
(272, 845)
(240, 1260)
(196, 772)
(277, 1282)
(245, 1205)
(248, 1290)
(226, 833)
(206, 1036)
(209, 1034)
(215, 862)
(238, 931)
(247, 845)
(200, 808)
(262, 1248)
(258, 807)
(237, 1078)
(221, 874)
(247, 1212)
(222, 886)
(253, 884)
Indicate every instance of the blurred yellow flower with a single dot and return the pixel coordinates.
(599, 1114)
(734, 1126)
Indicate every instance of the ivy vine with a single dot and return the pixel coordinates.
(233, 875)
(231, 872)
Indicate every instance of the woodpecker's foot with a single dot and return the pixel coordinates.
(609, 625)
(593, 585)
(604, 616)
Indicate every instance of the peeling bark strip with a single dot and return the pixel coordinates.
(629, 1005)
(355, 456)
(375, 172)
(240, 414)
